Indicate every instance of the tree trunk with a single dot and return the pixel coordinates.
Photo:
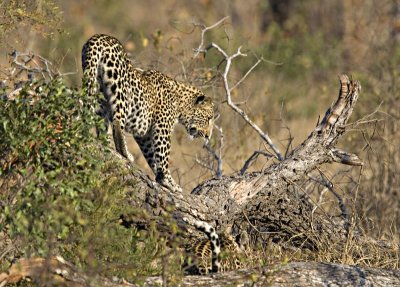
(271, 201)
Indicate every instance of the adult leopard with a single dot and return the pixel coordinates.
(146, 104)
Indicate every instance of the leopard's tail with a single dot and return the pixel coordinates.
(214, 240)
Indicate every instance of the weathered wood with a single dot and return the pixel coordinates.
(267, 201)
(57, 271)
(295, 274)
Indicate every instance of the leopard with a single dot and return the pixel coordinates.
(218, 252)
(144, 103)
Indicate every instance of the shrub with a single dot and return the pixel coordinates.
(60, 188)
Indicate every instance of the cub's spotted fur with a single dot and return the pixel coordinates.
(146, 104)
(214, 247)
(214, 254)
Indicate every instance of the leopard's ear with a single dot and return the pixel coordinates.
(202, 100)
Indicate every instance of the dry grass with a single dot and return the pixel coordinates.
(284, 100)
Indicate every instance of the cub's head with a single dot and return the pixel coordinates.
(198, 119)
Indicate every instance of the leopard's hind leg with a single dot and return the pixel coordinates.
(119, 140)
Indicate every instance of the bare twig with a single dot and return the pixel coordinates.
(351, 226)
(310, 199)
(232, 105)
(285, 126)
(252, 158)
(228, 61)
(40, 65)
(216, 156)
(204, 29)
(204, 164)
(247, 73)
(367, 119)
(324, 181)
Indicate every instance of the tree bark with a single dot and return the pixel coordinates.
(294, 274)
(56, 271)
(268, 202)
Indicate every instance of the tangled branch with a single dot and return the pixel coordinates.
(228, 89)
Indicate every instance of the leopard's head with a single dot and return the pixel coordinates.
(199, 118)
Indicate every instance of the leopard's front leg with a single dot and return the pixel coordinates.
(156, 148)
(166, 180)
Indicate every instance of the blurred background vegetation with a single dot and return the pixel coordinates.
(307, 44)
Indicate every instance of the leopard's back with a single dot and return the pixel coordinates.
(108, 69)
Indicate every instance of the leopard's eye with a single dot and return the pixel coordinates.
(200, 99)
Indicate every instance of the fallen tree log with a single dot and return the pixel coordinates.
(269, 202)
(269, 206)
(56, 271)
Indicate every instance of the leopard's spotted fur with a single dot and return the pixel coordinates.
(219, 252)
(144, 103)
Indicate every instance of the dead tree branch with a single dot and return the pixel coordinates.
(32, 64)
(231, 104)
(252, 158)
(217, 156)
(28, 68)
(270, 199)
(204, 30)
(228, 62)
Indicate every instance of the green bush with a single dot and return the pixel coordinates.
(47, 164)
(61, 192)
